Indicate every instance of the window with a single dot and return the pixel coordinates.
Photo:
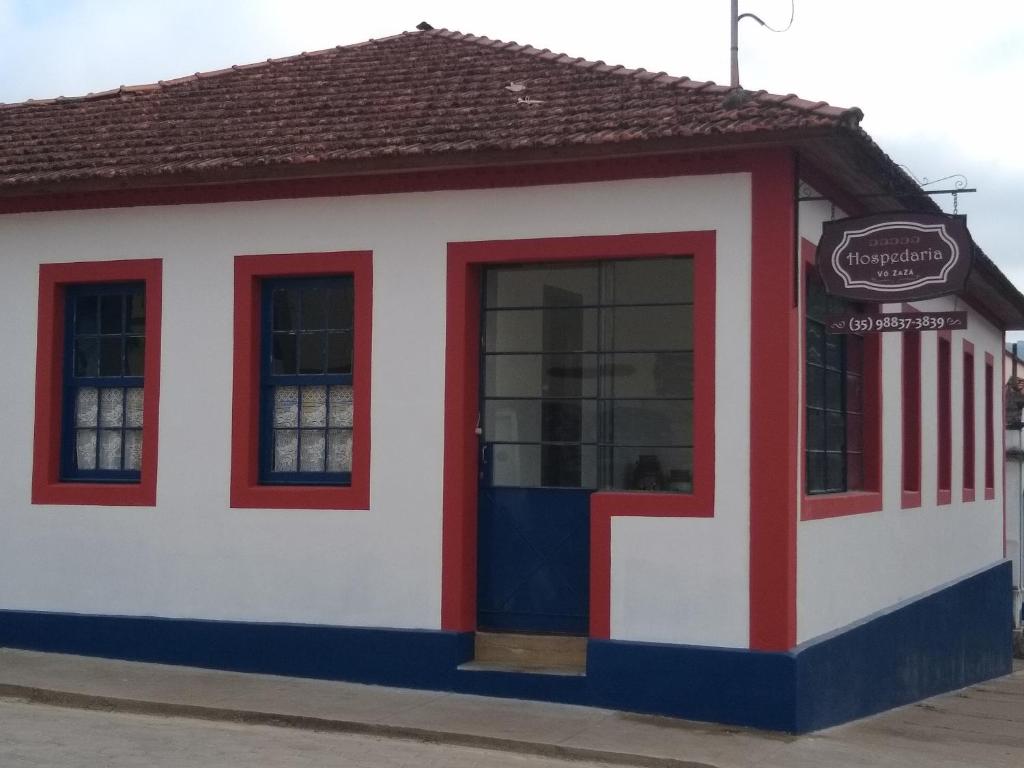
(97, 383)
(306, 392)
(301, 396)
(911, 419)
(968, 411)
(944, 377)
(104, 376)
(588, 374)
(835, 399)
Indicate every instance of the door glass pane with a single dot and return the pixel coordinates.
(540, 420)
(653, 281)
(653, 422)
(651, 469)
(651, 328)
(649, 374)
(530, 465)
(540, 376)
(541, 330)
(542, 285)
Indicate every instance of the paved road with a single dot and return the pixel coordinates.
(39, 736)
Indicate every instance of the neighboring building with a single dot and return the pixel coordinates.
(1013, 375)
(436, 334)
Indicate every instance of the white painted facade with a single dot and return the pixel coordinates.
(193, 556)
(853, 566)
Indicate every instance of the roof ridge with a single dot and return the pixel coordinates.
(851, 115)
(196, 76)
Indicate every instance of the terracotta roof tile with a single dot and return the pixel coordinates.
(431, 92)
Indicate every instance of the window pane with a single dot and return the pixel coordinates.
(311, 353)
(285, 309)
(817, 301)
(651, 328)
(87, 357)
(339, 352)
(111, 407)
(133, 449)
(816, 482)
(854, 432)
(854, 353)
(313, 450)
(653, 281)
(87, 314)
(541, 330)
(659, 374)
(836, 467)
(133, 407)
(835, 427)
(112, 313)
(854, 471)
(815, 343)
(651, 469)
(314, 408)
(284, 355)
(136, 311)
(540, 420)
(815, 387)
(110, 449)
(85, 448)
(339, 450)
(834, 390)
(541, 375)
(86, 407)
(314, 309)
(286, 450)
(544, 285)
(110, 356)
(340, 306)
(652, 422)
(834, 351)
(286, 406)
(135, 356)
(561, 466)
(854, 394)
(340, 405)
(815, 430)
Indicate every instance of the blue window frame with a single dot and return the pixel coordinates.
(306, 381)
(104, 355)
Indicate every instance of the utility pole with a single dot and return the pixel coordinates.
(734, 26)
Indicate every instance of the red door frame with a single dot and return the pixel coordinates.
(465, 260)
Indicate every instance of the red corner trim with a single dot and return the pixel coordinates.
(774, 418)
(970, 388)
(47, 487)
(245, 488)
(458, 575)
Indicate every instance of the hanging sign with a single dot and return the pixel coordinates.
(888, 257)
(896, 321)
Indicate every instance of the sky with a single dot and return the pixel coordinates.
(938, 80)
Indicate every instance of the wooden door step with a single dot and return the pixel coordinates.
(539, 654)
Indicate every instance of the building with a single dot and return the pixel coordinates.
(319, 366)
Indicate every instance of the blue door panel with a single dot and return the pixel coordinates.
(533, 559)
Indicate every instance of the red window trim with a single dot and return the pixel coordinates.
(944, 418)
(47, 486)
(823, 506)
(990, 438)
(911, 386)
(970, 467)
(458, 594)
(246, 491)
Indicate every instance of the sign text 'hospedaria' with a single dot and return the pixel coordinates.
(889, 257)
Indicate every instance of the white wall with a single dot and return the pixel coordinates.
(851, 567)
(193, 556)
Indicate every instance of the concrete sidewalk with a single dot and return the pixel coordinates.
(979, 726)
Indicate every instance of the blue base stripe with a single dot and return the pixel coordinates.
(950, 638)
